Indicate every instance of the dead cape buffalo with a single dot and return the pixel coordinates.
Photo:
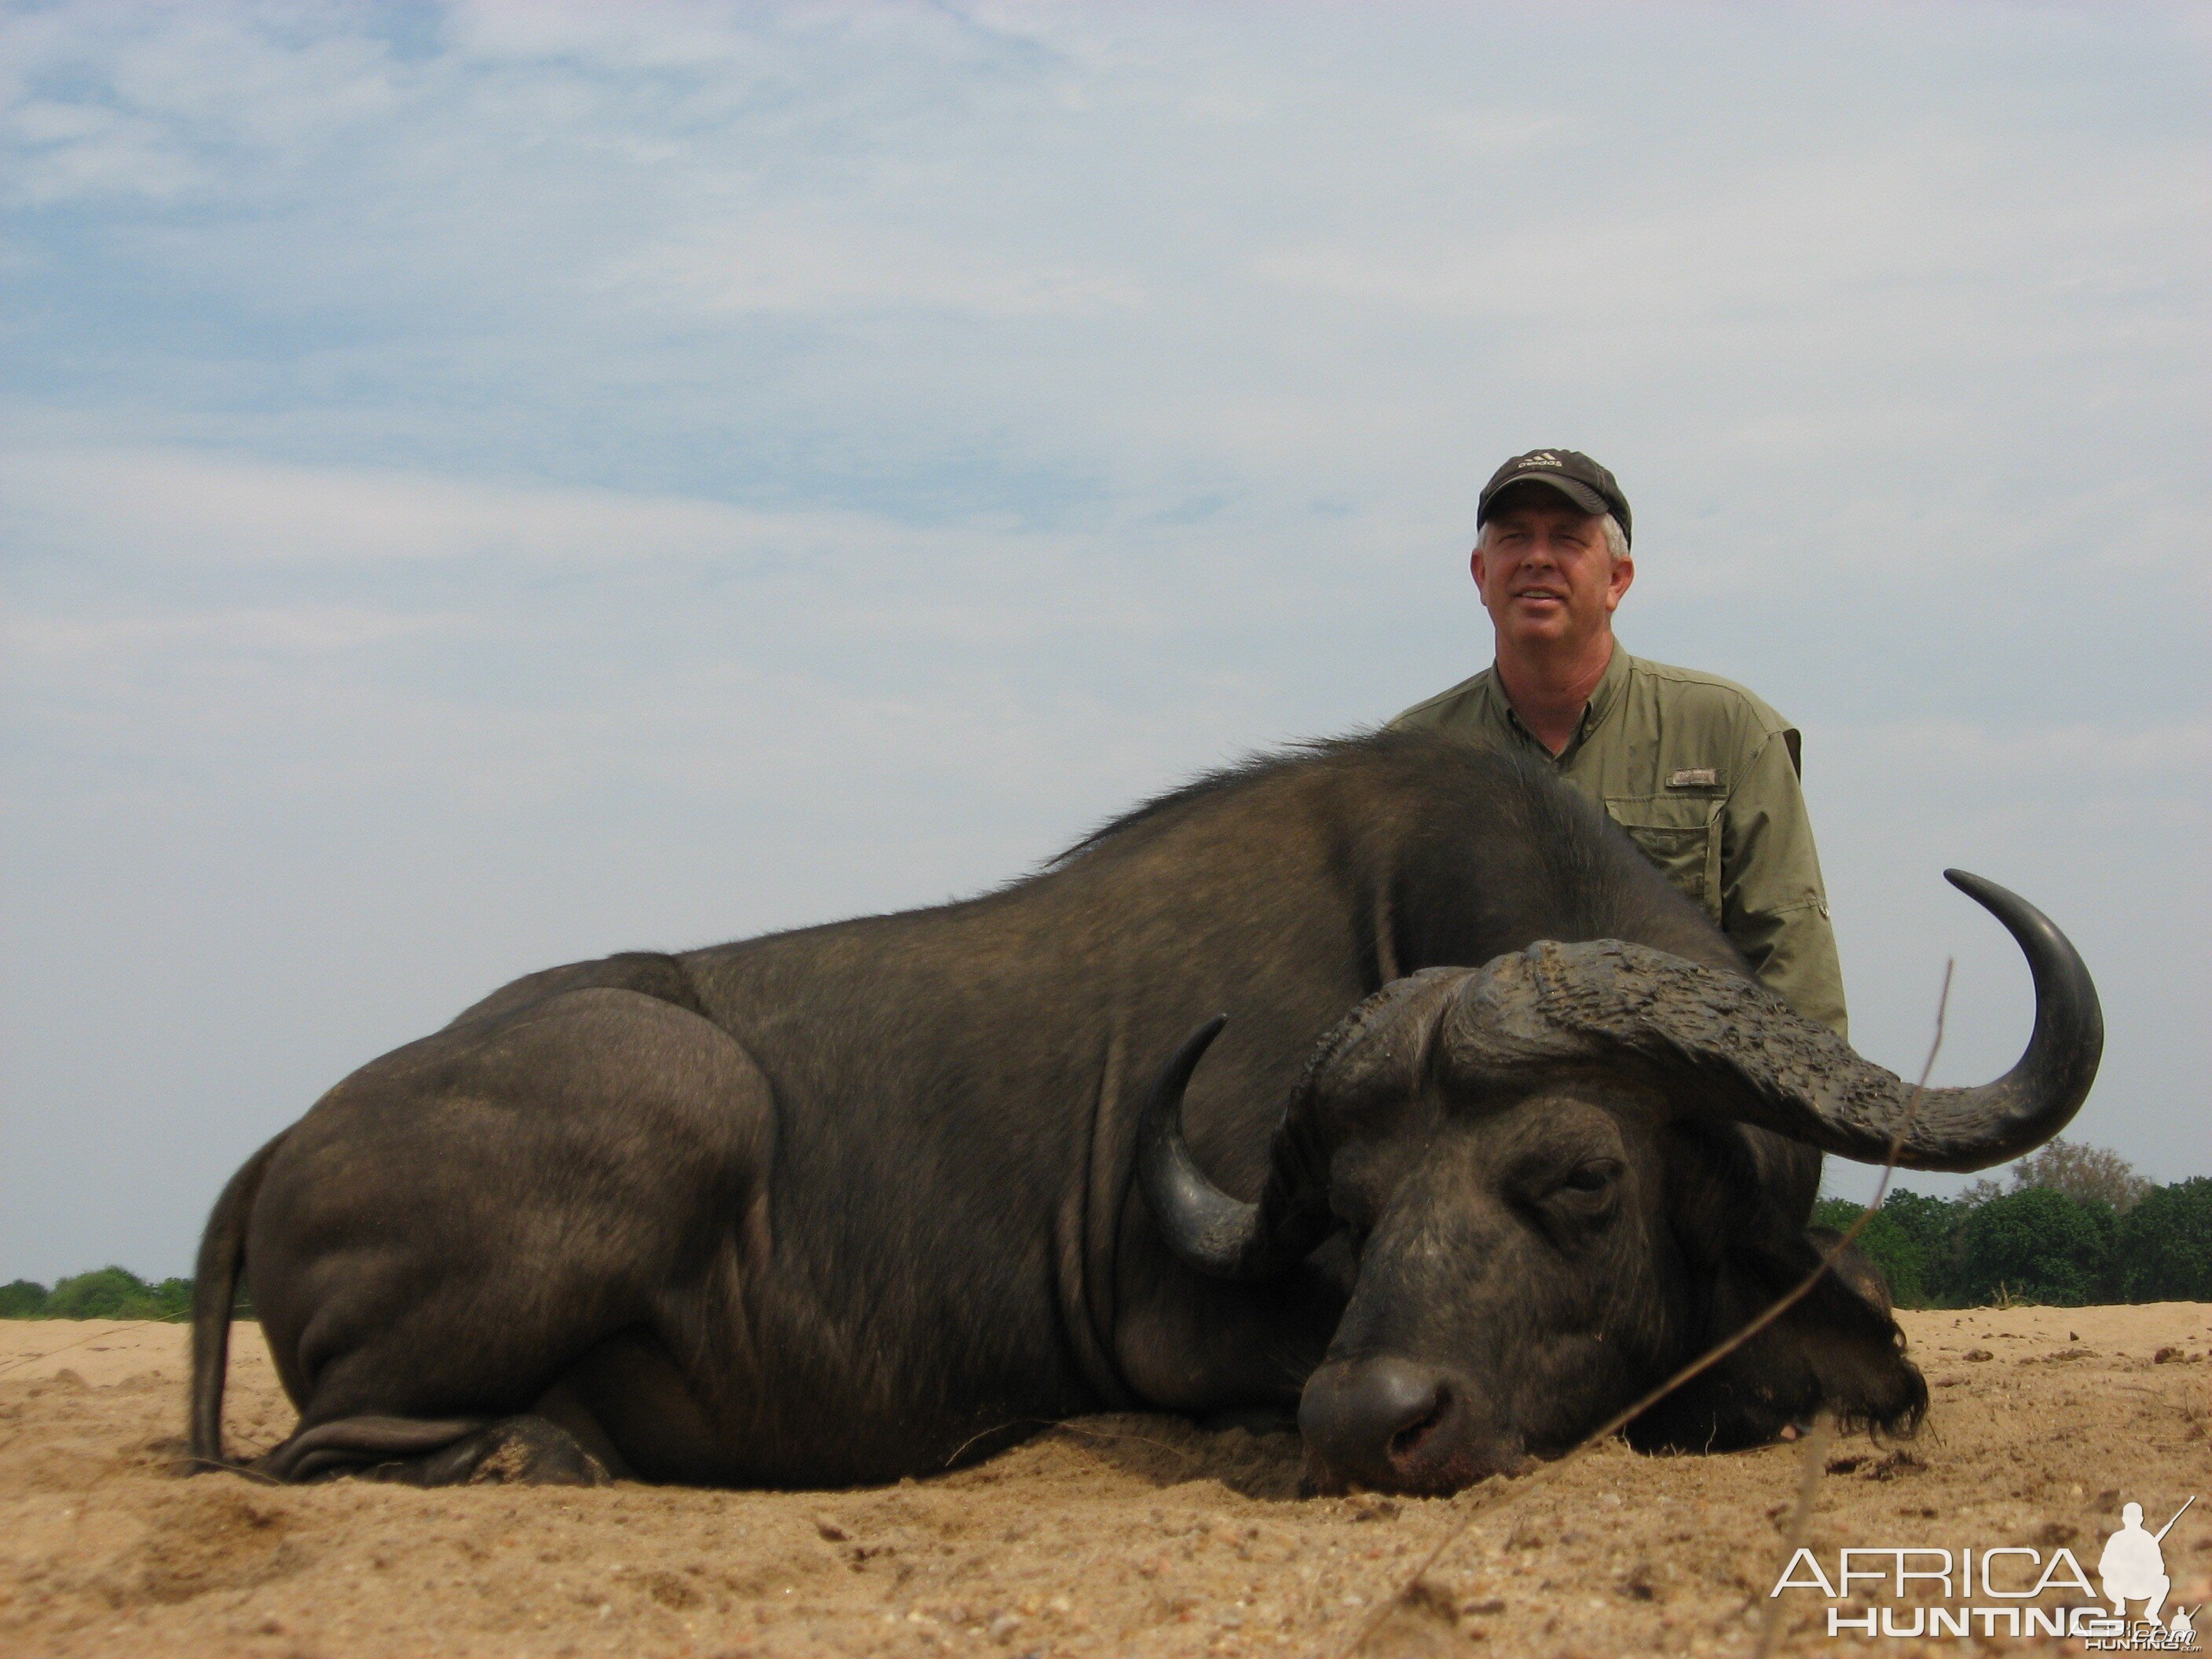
(1513, 1132)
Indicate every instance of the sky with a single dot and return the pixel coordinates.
(486, 485)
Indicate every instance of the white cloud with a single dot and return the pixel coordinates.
(2073, 755)
(770, 266)
(159, 99)
(69, 151)
(66, 645)
(211, 510)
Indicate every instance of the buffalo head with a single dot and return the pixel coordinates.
(1547, 1173)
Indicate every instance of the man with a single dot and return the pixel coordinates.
(1701, 774)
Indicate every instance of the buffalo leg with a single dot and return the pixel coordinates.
(353, 1443)
(630, 1399)
(434, 1246)
(527, 1450)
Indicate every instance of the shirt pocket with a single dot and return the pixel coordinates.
(1679, 833)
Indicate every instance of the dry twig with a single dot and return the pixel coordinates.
(1813, 1463)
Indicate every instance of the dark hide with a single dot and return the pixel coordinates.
(855, 1202)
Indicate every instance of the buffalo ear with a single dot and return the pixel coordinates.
(1838, 1347)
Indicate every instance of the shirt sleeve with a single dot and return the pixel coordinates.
(1774, 904)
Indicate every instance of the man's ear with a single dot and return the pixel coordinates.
(1616, 587)
(1838, 1347)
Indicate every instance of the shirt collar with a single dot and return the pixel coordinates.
(1610, 685)
(1602, 700)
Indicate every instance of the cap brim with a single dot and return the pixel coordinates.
(1573, 488)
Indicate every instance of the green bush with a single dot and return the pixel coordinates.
(2166, 1242)
(106, 1294)
(1932, 1224)
(1914, 1239)
(1884, 1242)
(1935, 1226)
(1836, 1212)
(2037, 1245)
(2059, 1241)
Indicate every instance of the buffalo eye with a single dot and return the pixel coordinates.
(1588, 1192)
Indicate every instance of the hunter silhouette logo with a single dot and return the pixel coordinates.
(2133, 1568)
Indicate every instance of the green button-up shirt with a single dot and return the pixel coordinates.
(1703, 776)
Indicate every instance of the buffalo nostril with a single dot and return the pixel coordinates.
(1407, 1443)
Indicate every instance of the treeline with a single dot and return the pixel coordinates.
(106, 1294)
(2076, 1226)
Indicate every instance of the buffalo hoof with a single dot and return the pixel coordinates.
(533, 1451)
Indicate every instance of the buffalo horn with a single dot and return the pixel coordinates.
(1720, 1045)
(1205, 1226)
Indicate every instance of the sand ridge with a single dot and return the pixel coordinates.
(1131, 1534)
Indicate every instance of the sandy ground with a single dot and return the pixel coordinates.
(1109, 1536)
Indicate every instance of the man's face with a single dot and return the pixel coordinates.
(1545, 575)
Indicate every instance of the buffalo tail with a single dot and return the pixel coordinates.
(214, 1294)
